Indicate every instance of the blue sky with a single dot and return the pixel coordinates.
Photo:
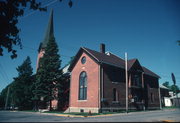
(145, 29)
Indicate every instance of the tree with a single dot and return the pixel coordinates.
(10, 11)
(178, 42)
(3, 97)
(48, 74)
(63, 92)
(166, 84)
(20, 90)
(174, 88)
(21, 87)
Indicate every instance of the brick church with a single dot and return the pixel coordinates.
(98, 81)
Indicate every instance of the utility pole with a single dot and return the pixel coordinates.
(126, 82)
(160, 102)
(7, 97)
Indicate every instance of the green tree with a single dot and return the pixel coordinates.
(178, 42)
(3, 97)
(63, 91)
(22, 86)
(174, 88)
(166, 84)
(48, 73)
(10, 11)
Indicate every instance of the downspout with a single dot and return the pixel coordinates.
(70, 92)
(102, 83)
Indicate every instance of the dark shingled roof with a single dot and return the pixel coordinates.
(150, 73)
(109, 59)
(131, 62)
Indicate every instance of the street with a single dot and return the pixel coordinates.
(171, 115)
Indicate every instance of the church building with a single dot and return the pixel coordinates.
(98, 83)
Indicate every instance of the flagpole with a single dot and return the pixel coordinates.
(126, 82)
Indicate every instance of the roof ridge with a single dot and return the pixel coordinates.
(90, 53)
(115, 55)
(151, 71)
(133, 59)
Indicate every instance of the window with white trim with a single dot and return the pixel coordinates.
(83, 86)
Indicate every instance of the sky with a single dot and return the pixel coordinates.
(146, 29)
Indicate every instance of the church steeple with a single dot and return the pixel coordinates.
(49, 32)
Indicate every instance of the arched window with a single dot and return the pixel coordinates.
(83, 86)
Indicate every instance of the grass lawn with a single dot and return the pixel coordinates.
(170, 107)
(82, 114)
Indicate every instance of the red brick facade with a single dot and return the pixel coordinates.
(106, 84)
(92, 70)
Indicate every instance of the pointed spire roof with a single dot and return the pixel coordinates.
(49, 31)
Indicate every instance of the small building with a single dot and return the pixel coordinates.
(165, 97)
(176, 100)
(98, 83)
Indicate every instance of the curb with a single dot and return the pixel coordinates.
(167, 120)
(69, 115)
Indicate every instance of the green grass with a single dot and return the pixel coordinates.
(84, 113)
(72, 113)
(60, 112)
(94, 114)
(170, 107)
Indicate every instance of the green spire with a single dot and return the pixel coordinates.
(49, 32)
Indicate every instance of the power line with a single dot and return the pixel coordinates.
(35, 51)
(48, 4)
(4, 73)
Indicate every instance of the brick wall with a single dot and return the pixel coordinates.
(92, 70)
(151, 92)
(113, 78)
(40, 55)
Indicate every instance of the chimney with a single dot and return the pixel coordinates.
(102, 48)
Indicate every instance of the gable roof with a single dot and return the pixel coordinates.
(110, 59)
(163, 87)
(149, 72)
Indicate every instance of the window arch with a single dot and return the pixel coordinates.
(83, 86)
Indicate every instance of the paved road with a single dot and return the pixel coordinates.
(151, 116)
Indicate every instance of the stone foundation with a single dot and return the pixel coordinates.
(83, 109)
